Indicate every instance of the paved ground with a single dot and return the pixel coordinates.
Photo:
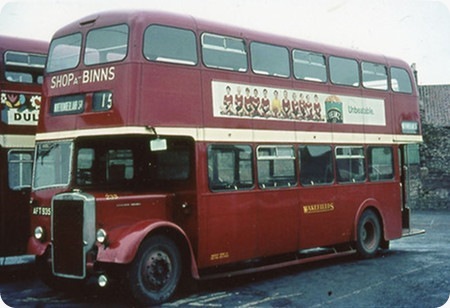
(415, 272)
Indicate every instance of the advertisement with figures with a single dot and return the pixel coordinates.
(20, 109)
(254, 101)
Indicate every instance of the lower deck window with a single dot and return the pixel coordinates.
(316, 165)
(381, 165)
(20, 164)
(350, 164)
(276, 166)
(230, 167)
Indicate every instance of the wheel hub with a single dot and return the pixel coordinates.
(157, 270)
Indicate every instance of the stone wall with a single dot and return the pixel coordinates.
(430, 188)
(434, 192)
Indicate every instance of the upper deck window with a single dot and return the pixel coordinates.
(309, 66)
(64, 53)
(344, 71)
(24, 67)
(400, 81)
(108, 44)
(374, 76)
(224, 52)
(168, 44)
(270, 60)
(15, 58)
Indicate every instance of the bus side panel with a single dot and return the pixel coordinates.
(278, 221)
(181, 93)
(14, 216)
(323, 217)
(229, 231)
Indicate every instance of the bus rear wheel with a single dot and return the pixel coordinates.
(368, 234)
(155, 273)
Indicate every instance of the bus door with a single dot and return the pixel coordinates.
(14, 200)
(409, 160)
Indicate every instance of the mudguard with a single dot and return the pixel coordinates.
(375, 205)
(124, 242)
(36, 247)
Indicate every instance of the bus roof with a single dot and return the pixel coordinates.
(141, 19)
(22, 44)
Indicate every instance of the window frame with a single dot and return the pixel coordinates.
(86, 39)
(359, 178)
(271, 74)
(386, 88)
(59, 69)
(370, 165)
(20, 162)
(330, 69)
(213, 47)
(230, 186)
(311, 79)
(170, 60)
(272, 183)
(399, 91)
(330, 165)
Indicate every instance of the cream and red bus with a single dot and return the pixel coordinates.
(22, 64)
(171, 147)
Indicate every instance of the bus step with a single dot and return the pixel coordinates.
(412, 232)
(16, 260)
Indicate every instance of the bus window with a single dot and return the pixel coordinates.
(381, 164)
(85, 163)
(230, 167)
(53, 162)
(316, 165)
(412, 154)
(374, 76)
(119, 165)
(168, 44)
(400, 81)
(64, 53)
(276, 166)
(344, 71)
(24, 67)
(309, 66)
(270, 60)
(14, 58)
(20, 163)
(104, 45)
(174, 163)
(350, 164)
(18, 77)
(224, 52)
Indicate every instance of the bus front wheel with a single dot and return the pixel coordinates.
(155, 273)
(368, 234)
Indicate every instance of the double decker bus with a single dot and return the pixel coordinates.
(22, 64)
(170, 147)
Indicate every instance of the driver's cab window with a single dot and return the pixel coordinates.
(100, 166)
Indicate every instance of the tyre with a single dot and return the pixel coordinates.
(368, 234)
(155, 272)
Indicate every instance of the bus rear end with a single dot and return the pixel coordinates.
(21, 74)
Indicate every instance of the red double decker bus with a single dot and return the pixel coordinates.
(171, 146)
(22, 64)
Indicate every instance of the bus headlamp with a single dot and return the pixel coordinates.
(101, 236)
(39, 233)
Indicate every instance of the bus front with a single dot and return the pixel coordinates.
(103, 182)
